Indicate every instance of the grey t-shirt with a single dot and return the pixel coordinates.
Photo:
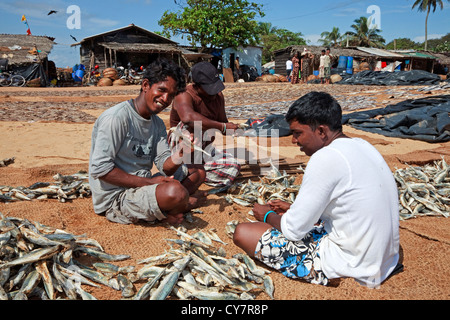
(122, 138)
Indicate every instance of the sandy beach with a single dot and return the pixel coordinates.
(48, 131)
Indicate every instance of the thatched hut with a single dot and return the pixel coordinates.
(282, 55)
(130, 45)
(442, 62)
(28, 55)
(374, 58)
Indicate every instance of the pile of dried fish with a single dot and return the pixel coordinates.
(65, 188)
(441, 86)
(274, 185)
(39, 261)
(196, 269)
(424, 190)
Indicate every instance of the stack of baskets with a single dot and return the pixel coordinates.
(110, 77)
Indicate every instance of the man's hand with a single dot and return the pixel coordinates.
(259, 211)
(162, 179)
(232, 126)
(274, 219)
(279, 206)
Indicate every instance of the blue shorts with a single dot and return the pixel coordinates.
(294, 259)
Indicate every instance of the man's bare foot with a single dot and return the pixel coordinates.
(196, 200)
(200, 194)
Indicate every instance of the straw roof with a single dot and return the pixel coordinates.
(125, 29)
(18, 48)
(316, 50)
(141, 47)
(442, 57)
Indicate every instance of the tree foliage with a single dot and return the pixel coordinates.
(437, 45)
(426, 5)
(365, 36)
(403, 44)
(273, 38)
(331, 38)
(214, 23)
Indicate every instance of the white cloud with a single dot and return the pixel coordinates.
(430, 36)
(312, 39)
(107, 23)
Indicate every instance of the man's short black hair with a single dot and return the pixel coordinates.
(316, 108)
(161, 68)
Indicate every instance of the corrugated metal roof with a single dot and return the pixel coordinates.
(380, 52)
(414, 54)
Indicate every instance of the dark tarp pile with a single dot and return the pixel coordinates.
(424, 119)
(386, 78)
(33, 71)
(274, 125)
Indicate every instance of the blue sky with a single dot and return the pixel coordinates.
(311, 18)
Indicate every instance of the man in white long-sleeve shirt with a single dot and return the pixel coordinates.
(348, 187)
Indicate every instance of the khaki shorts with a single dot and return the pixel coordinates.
(136, 204)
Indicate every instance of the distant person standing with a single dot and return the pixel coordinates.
(237, 69)
(295, 68)
(324, 68)
(306, 63)
(327, 68)
(288, 69)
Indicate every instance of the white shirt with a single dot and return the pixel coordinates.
(324, 61)
(349, 186)
(289, 65)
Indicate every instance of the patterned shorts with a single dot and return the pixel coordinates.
(222, 169)
(294, 259)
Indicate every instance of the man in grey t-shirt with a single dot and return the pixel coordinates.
(127, 139)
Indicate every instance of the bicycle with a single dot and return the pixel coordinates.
(11, 80)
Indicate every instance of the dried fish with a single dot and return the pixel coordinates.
(37, 260)
(423, 190)
(65, 187)
(177, 136)
(273, 185)
(169, 281)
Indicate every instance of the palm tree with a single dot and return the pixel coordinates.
(266, 28)
(365, 36)
(331, 38)
(426, 5)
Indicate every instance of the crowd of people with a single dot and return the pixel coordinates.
(299, 67)
(344, 221)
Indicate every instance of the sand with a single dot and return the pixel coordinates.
(43, 148)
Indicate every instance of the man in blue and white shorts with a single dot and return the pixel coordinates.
(344, 221)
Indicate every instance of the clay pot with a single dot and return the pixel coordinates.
(119, 82)
(105, 82)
